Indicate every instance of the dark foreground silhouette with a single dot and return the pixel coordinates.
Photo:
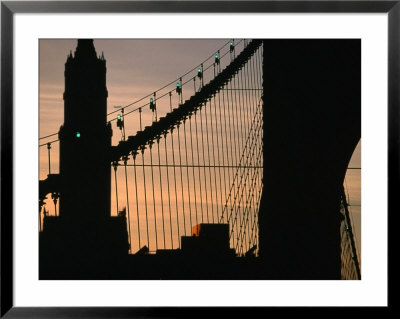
(312, 124)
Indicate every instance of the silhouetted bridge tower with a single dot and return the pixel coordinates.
(238, 174)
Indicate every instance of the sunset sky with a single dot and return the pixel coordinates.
(136, 68)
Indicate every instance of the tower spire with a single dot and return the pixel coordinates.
(85, 49)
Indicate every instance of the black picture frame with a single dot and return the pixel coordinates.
(9, 8)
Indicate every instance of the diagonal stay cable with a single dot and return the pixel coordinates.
(247, 145)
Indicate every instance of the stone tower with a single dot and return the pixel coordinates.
(84, 240)
(85, 137)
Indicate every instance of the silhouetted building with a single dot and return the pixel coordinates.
(84, 228)
(85, 137)
(208, 239)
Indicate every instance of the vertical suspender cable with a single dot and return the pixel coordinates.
(161, 188)
(248, 113)
(239, 115)
(154, 196)
(247, 211)
(259, 180)
(237, 132)
(224, 144)
(259, 96)
(127, 202)
(145, 198)
(242, 204)
(250, 80)
(169, 194)
(136, 191)
(204, 161)
(219, 162)
(187, 175)
(231, 140)
(181, 168)
(255, 186)
(173, 162)
(246, 90)
(176, 193)
(198, 163)
(251, 115)
(252, 102)
(246, 130)
(230, 159)
(234, 123)
(194, 179)
(248, 106)
(233, 144)
(209, 161)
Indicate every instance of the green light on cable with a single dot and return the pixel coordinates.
(78, 135)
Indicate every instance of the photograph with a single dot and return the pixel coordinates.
(175, 159)
(199, 159)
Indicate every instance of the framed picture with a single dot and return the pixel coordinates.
(192, 150)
